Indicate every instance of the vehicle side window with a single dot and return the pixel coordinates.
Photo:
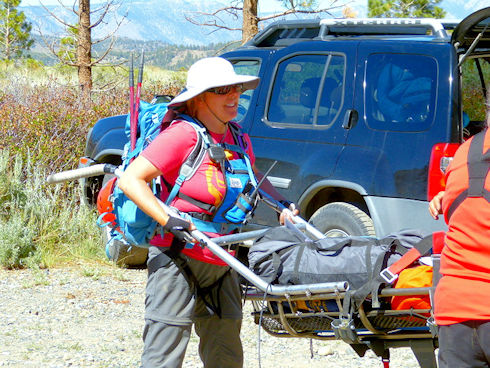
(307, 91)
(245, 67)
(400, 91)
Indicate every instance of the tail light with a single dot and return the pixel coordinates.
(441, 155)
(438, 242)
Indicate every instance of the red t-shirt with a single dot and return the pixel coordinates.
(463, 293)
(168, 152)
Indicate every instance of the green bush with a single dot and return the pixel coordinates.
(38, 226)
(48, 121)
(44, 128)
(472, 92)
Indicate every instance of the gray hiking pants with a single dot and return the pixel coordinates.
(465, 345)
(171, 307)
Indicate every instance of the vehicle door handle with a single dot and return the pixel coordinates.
(350, 119)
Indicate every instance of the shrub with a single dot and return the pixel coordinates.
(48, 121)
(38, 227)
(43, 130)
(472, 92)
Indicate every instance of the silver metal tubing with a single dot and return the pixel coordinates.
(258, 281)
(84, 172)
(239, 237)
(308, 227)
(226, 257)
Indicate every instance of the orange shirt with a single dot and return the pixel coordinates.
(463, 292)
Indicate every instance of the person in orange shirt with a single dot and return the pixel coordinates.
(462, 298)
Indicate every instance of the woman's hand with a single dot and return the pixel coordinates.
(176, 223)
(435, 205)
(288, 213)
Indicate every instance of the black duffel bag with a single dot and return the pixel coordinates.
(285, 256)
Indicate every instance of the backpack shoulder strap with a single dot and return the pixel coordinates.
(241, 145)
(478, 164)
(195, 158)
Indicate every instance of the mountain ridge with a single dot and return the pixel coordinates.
(167, 20)
(168, 24)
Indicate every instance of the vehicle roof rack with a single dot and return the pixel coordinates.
(287, 31)
(383, 26)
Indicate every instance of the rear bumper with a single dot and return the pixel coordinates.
(394, 214)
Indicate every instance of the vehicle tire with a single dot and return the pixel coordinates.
(342, 219)
(119, 252)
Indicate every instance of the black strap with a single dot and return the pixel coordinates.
(299, 255)
(375, 280)
(478, 167)
(173, 253)
(205, 206)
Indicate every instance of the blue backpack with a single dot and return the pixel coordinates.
(133, 227)
(128, 223)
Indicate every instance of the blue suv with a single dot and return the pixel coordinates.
(361, 115)
(354, 111)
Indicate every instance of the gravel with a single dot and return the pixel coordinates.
(93, 317)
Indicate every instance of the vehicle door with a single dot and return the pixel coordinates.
(305, 94)
(404, 103)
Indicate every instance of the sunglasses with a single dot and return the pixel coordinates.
(224, 90)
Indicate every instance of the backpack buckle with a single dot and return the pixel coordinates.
(388, 276)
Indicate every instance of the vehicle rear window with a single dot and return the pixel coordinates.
(400, 91)
(307, 91)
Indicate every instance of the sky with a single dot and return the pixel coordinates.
(467, 6)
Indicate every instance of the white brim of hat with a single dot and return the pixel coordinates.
(248, 81)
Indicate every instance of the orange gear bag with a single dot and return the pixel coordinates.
(415, 277)
(104, 202)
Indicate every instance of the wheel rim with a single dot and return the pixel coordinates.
(336, 233)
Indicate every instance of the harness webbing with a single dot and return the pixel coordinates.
(478, 167)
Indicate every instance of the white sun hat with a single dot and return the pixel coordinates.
(209, 73)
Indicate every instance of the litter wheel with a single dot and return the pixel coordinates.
(342, 219)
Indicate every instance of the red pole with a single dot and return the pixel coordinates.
(138, 90)
(132, 121)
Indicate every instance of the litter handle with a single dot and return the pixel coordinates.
(84, 172)
(203, 240)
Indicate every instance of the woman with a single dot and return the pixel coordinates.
(187, 284)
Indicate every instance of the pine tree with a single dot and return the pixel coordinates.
(76, 48)
(249, 13)
(405, 9)
(15, 31)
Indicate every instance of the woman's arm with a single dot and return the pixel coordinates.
(134, 183)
